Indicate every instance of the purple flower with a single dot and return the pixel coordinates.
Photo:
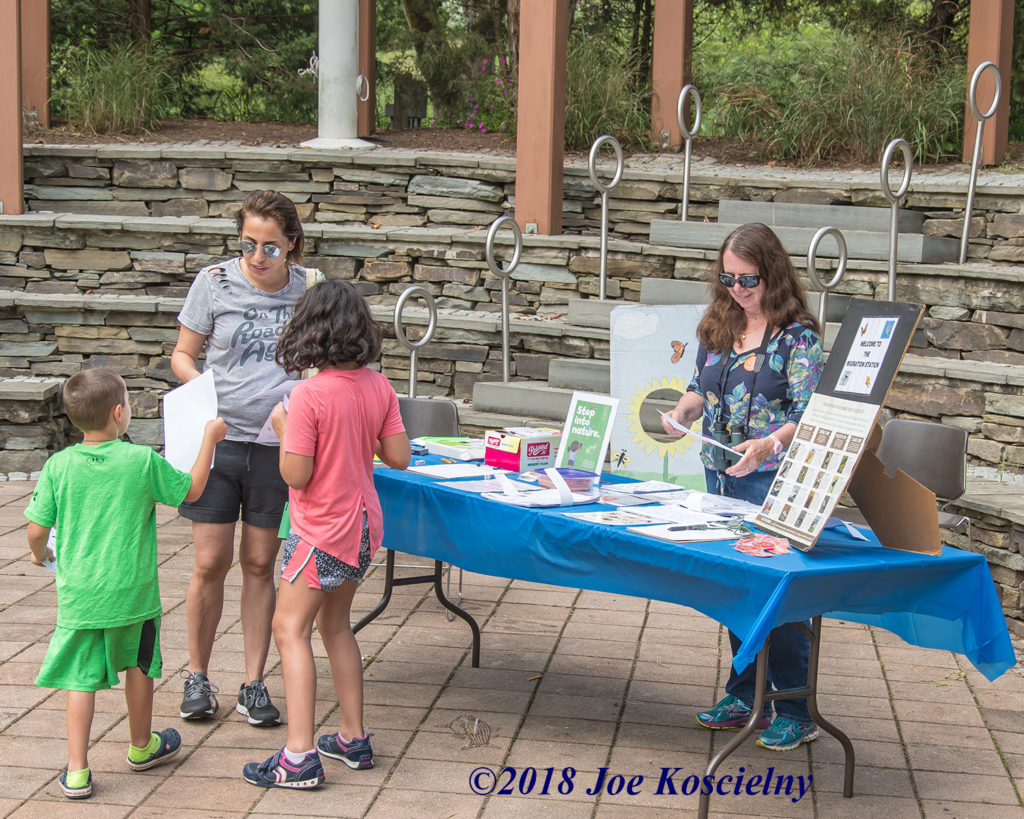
(502, 60)
(498, 80)
(483, 130)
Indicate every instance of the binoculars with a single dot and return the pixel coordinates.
(722, 458)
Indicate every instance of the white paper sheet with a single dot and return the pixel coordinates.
(676, 425)
(680, 534)
(267, 435)
(459, 470)
(679, 515)
(186, 410)
(51, 542)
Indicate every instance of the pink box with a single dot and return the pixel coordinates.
(521, 453)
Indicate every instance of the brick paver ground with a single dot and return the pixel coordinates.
(568, 679)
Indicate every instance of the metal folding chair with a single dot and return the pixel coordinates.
(421, 416)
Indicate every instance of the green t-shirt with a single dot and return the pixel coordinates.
(101, 498)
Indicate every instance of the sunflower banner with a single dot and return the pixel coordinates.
(653, 358)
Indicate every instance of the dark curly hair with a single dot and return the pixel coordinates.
(331, 326)
(275, 207)
(782, 302)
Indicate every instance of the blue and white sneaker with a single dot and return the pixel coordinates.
(278, 772)
(730, 712)
(786, 734)
(357, 754)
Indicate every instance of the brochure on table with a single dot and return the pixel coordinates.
(588, 428)
(835, 442)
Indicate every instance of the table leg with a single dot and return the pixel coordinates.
(435, 578)
(760, 695)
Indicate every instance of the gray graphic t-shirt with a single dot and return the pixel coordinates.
(242, 324)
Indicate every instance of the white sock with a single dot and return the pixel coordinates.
(295, 759)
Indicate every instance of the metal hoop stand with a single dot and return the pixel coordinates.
(894, 199)
(415, 291)
(504, 273)
(688, 134)
(812, 272)
(605, 190)
(979, 149)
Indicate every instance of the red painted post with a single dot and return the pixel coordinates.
(366, 110)
(990, 37)
(670, 69)
(11, 172)
(540, 141)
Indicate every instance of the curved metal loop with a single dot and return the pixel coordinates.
(972, 96)
(908, 162)
(517, 239)
(415, 291)
(362, 87)
(687, 133)
(592, 164)
(812, 257)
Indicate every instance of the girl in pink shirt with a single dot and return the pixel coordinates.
(336, 421)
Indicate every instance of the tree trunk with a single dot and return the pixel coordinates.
(512, 17)
(140, 22)
(941, 19)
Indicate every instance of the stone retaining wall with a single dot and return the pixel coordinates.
(389, 188)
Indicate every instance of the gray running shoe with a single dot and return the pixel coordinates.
(199, 701)
(254, 704)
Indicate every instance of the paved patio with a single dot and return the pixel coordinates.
(568, 678)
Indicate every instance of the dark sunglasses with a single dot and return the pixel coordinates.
(248, 248)
(750, 281)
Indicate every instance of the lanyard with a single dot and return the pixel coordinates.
(729, 365)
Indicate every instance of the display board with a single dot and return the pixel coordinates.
(837, 427)
(653, 358)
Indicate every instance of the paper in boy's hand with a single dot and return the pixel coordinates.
(51, 544)
(267, 435)
(186, 410)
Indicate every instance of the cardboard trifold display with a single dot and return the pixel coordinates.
(835, 441)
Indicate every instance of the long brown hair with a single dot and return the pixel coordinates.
(275, 207)
(782, 302)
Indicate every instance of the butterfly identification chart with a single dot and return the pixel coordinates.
(653, 358)
(839, 419)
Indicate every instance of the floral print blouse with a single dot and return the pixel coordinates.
(788, 376)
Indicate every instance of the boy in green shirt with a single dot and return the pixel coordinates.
(101, 496)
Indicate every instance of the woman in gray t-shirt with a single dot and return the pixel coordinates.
(237, 310)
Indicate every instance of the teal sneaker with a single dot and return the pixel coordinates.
(731, 712)
(786, 734)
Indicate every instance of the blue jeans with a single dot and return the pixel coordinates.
(790, 646)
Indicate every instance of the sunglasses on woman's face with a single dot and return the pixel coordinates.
(248, 248)
(752, 280)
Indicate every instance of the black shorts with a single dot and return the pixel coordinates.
(245, 476)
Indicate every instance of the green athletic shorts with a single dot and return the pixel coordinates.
(90, 659)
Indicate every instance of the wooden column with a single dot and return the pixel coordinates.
(990, 37)
(367, 111)
(540, 143)
(670, 70)
(11, 172)
(35, 58)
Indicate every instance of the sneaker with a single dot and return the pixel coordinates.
(254, 704)
(170, 744)
(278, 772)
(199, 701)
(357, 754)
(731, 712)
(83, 792)
(786, 734)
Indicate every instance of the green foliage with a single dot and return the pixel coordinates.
(597, 96)
(123, 89)
(1016, 89)
(819, 95)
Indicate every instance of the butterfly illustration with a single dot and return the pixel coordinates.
(678, 348)
(620, 458)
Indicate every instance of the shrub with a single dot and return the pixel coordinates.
(123, 89)
(490, 98)
(827, 96)
(601, 96)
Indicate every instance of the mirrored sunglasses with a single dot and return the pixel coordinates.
(248, 248)
(752, 280)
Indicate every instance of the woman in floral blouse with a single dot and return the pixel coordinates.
(759, 361)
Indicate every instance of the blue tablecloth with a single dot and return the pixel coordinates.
(947, 602)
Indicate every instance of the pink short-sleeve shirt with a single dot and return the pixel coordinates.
(337, 417)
